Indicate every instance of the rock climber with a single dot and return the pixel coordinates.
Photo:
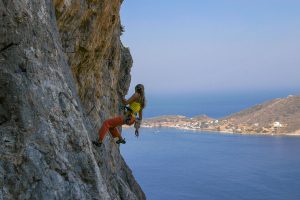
(136, 105)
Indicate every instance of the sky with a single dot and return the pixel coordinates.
(213, 45)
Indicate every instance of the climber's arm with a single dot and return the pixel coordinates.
(141, 115)
(133, 98)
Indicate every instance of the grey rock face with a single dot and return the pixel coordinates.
(45, 129)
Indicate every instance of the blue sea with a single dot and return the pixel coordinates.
(172, 164)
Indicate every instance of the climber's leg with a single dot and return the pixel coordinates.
(115, 133)
(109, 124)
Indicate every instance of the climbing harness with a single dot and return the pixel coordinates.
(128, 114)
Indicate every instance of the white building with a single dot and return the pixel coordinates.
(277, 125)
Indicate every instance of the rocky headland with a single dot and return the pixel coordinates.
(63, 68)
(276, 117)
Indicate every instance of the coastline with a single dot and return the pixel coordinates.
(279, 116)
(297, 134)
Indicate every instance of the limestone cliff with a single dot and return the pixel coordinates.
(62, 69)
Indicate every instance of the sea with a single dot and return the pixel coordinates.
(172, 164)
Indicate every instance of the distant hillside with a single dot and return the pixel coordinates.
(177, 118)
(166, 118)
(202, 118)
(284, 110)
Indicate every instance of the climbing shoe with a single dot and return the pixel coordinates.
(121, 141)
(96, 143)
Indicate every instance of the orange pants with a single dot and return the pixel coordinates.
(111, 126)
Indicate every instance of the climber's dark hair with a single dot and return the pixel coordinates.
(139, 88)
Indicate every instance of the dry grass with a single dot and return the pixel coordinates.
(58, 3)
(84, 20)
(93, 27)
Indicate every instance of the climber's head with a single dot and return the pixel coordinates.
(139, 88)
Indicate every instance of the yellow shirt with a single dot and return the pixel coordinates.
(135, 107)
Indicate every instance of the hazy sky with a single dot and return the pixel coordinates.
(213, 45)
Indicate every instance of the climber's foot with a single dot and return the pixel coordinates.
(96, 143)
(121, 141)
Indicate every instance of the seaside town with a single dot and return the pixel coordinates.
(204, 123)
